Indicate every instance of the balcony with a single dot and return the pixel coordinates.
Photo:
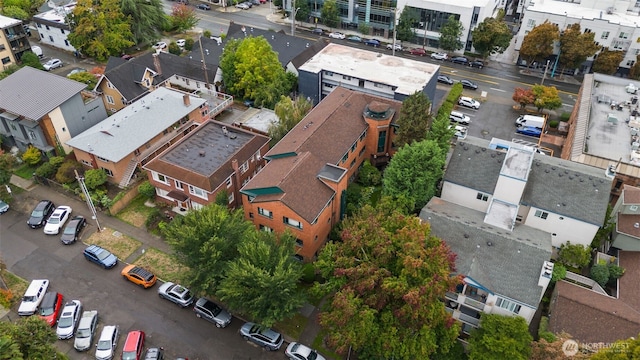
(478, 305)
(469, 320)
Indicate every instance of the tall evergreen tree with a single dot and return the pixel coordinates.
(414, 119)
(146, 17)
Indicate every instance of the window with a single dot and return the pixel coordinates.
(244, 167)
(197, 192)
(531, 23)
(353, 162)
(179, 185)
(2, 47)
(62, 31)
(250, 215)
(159, 178)
(109, 172)
(231, 198)
(265, 212)
(50, 38)
(6, 60)
(509, 305)
(328, 73)
(345, 77)
(605, 35)
(637, 3)
(102, 159)
(364, 135)
(110, 85)
(85, 162)
(291, 222)
(229, 182)
(32, 135)
(353, 147)
(13, 126)
(630, 63)
(541, 214)
(483, 197)
(362, 151)
(344, 158)
(299, 242)
(110, 99)
(623, 35)
(265, 228)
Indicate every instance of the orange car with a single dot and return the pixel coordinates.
(138, 275)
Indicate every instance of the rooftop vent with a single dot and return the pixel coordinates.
(201, 153)
(489, 243)
(636, 225)
(225, 131)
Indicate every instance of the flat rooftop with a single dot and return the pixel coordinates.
(257, 119)
(6, 22)
(57, 14)
(579, 12)
(407, 75)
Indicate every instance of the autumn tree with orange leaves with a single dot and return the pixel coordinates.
(523, 97)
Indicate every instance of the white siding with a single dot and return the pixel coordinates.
(464, 196)
(562, 228)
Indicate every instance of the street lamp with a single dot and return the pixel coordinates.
(395, 30)
(294, 11)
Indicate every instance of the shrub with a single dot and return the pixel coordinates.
(308, 273)
(174, 48)
(66, 173)
(188, 44)
(94, 178)
(5, 298)
(207, 34)
(574, 255)
(153, 218)
(559, 272)
(32, 156)
(543, 330)
(56, 161)
(46, 170)
(222, 198)
(600, 274)
(369, 175)
(147, 190)
(615, 271)
(7, 161)
(554, 124)
(565, 116)
(454, 94)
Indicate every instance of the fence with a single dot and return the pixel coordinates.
(124, 200)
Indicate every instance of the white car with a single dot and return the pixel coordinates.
(86, 330)
(160, 45)
(181, 42)
(242, 6)
(53, 64)
(69, 319)
(439, 56)
(336, 35)
(107, 343)
(460, 131)
(33, 297)
(297, 351)
(469, 102)
(398, 47)
(459, 117)
(57, 220)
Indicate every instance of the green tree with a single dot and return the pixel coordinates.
(183, 17)
(264, 273)
(66, 173)
(15, 12)
(99, 29)
(547, 97)
(303, 10)
(500, 337)
(576, 46)
(559, 272)
(222, 198)
(34, 337)
(330, 14)
(9, 70)
(414, 171)
(608, 61)
(545, 350)
(31, 59)
(32, 156)
(600, 274)
(147, 190)
(538, 43)
(7, 163)
(94, 178)
(206, 241)
(414, 119)
(369, 175)
(405, 30)
(9, 349)
(289, 113)
(491, 36)
(574, 255)
(21, 9)
(441, 130)
(450, 34)
(387, 277)
(251, 70)
(146, 18)
(523, 97)
(85, 77)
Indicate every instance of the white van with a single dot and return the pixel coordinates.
(33, 297)
(38, 51)
(530, 120)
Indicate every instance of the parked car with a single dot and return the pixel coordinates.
(76, 71)
(138, 275)
(86, 330)
(529, 131)
(398, 47)
(460, 60)
(154, 354)
(33, 297)
(50, 307)
(372, 42)
(203, 7)
(40, 214)
(476, 64)
(469, 102)
(418, 51)
(460, 131)
(72, 231)
(181, 42)
(127, 57)
(263, 336)
(317, 31)
(354, 38)
(57, 220)
(249, 4)
(100, 256)
(439, 56)
(160, 45)
(207, 309)
(133, 345)
(4, 207)
(175, 293)
(107, 342)
(468, 84)
(459, 117)
(445, 79)
(242, 6)
(297, 351)
(255, 2)
(53, 64)
(336, 35)
(69, 319)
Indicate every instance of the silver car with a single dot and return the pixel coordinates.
(207, 309)
(107, 343)
(175, 293)
(86, 330)
(69, 319)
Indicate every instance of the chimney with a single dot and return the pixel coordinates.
(234, 165)
(186, 99)
(156, 63)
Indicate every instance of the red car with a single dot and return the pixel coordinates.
(418, 51)
(51, 307)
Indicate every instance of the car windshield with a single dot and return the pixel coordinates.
(37, 213)
(46, 311)
(70, 230)
(129, 355)
(216, 310)
(65, 322)
(29, 298)
(104, 345)
(83, 333)
(102, 254)
(53, 220)
(312, 355)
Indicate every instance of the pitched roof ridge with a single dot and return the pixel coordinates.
(590, 301)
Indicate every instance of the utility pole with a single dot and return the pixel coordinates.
(545, 73)
(294, 10)
(87, 197)
(395, 30)
(204, 63)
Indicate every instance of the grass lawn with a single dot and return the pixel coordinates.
(25, 171)
(119, 244)
(292, 326)
(16, 285)
(165, 266)
(136, 213)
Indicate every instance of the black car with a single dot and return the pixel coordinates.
(445, 79)
(468, 84)
(476, 64)
(73, 229)
(460, 60)
(203, 7)
(40, 214)
(317, 31)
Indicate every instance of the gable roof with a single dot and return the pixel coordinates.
(204, 157)
(506, 263)
(323, 137)
(560, 186)
(125, 131)
(33, 93)
(126, 76)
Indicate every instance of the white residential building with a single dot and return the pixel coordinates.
(53, 28)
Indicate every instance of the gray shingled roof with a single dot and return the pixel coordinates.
(560, 186)
(120, 134)
(510, 266)
(33, 93)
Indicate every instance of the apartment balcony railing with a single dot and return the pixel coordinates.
(478, 305)
(469, 320)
